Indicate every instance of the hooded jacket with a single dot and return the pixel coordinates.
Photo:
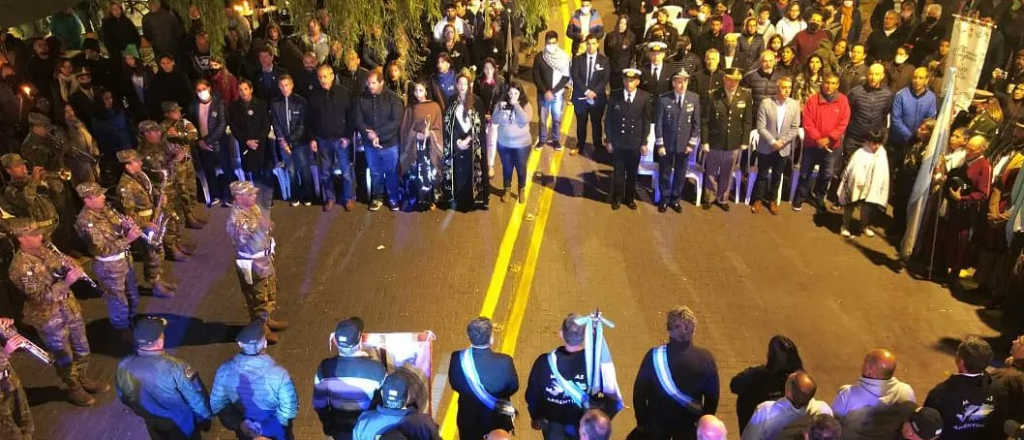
(772, 418)
(873, 409)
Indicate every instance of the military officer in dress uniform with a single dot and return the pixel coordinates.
(164, 390)
(157, 160)
(136, 195)
(250, 230)
(676, 130)
(627, 123)
(725, 131)
(109, 236)
(29, 195)
(15, 416)
(45, 278)
(182, 135)
(657, 76)
(983, 123)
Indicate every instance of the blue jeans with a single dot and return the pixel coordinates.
(383, 164)
(334, 161)
(299, 173)
(553, 109)
(826, 162)
(513, 158)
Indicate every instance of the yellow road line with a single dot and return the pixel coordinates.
(508, 242)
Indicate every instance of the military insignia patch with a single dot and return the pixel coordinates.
(189, 372)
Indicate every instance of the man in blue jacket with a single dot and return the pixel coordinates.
(393, 395)
(288, 115)
(676, 131)
(910, 107)
(494, 372)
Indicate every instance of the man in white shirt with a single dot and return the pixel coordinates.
(876, 406)
(786, 417)
(450, 17)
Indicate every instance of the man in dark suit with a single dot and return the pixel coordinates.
(494, 372)
(249, 120)
(626, 125)
(657, 78)
(676, 129)
(590, 73)
(725, 131)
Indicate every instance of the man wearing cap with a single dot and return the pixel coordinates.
(42, 149)
(15, 416)
(725, 130)
(85, 100)
(253, 395)
(657, 78)
(136, 194)
(182, 143)
(393, 395)
(923, 424)
(590, 73)
(778, 125)
(250, 231)
(101, 67)
(345, 385)
(162, 389)
(982, 123)
(109, 237)
(157, 163)
(676, 130)
(479, 368)
(29, 196)
(627, 122)
(973, 406)
(45, 278)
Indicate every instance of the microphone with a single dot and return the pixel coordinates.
(1013, 429)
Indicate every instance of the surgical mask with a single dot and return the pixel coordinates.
(702, 16)
(848, 3)
(900, 59)
(204, 95)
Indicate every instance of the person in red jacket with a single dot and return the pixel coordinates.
(825, 117)
(966, 191)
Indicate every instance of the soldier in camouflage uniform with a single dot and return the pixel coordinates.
(29, 196)
(109, 238)
(15, 417)
(250, 231)
(53, 310)
(43, 148)
(183, 138)
(136, 195)
(157, 164)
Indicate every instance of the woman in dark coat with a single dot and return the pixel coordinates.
(465, 156)
(490, 87)
(113, 132)
(135, 82)
(118, 32)
(420, 160)
(620, 47)
(765, 382)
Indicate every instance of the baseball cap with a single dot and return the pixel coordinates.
(11, 159)
(22, 226)
(242, 187)
(926, 423)
(393, 391)
(89, 189)
(349, 332)
(148, 329)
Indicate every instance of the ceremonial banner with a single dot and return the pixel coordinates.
(413, 349)
(968, 47)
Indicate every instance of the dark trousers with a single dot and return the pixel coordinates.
(513, 159)
(592, 112)
(672, 174)
(719, 165)
(165, 429)
(903, 186)
(770, 172)
(558, 431)
(866, 209)
(625, 164)
(826, 162)
(219, 169)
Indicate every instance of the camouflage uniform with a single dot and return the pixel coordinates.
(15, 417)
(135, 194)
(53, 311)
(185, 169)
(254, 246)
(104, 234)
(30, 199)
(156, 162)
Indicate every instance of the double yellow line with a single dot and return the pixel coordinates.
(502, 262)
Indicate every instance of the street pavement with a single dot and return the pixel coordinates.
(747, 277)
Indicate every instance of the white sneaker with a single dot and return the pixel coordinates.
(845, 233)
(869, 233)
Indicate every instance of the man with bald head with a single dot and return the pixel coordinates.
(498, 434)
(870, 103)
(787, 417)
(710, 427)
(595, 425)
(910, 107)
(876, 406)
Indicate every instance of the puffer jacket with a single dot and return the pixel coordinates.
(254, 388)
(159, 386)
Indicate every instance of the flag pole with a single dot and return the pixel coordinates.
(935, 236)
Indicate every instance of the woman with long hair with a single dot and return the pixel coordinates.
(775, 45)
(395, 80)
(620, 47)
(465, 158)
(67, 82)
(422, 145)
(808, 82)
(136, 78)
(118, 32)
(787, 65)
(987, 118)
(766, 381)
(510, 134)
(490, 87)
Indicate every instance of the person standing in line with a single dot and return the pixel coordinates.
(590, 73)
(676, 130)
(510, 136)
(485, 381)
(331, 127)
(626, 125)
(551, 72)
(725, 129)
(778, 125)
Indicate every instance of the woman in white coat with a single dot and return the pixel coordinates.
(865, 183)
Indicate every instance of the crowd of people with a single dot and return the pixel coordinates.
(751, 95)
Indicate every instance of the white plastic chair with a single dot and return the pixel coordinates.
(649, 167)
(695, 172)
(737, 176)
(752, 174)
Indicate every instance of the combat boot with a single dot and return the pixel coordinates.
(90, 385)
(161, 290)
(187, 250)
(76, 394)
(175, 254)
(192, 222)
(276, 325)
(272, 338)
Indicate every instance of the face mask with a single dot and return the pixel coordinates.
(585, 10)
(702, 16)
(931, 20)
(812, 27)
(848, 4)
(900, 59)
(204, 95)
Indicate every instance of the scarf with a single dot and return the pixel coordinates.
(557, 59)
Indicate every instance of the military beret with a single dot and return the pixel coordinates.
(169, 106)
(22, 226)
(125, 156)
(89, 189)
(148, 125)
(243, 187)
(631, 73)
(148, 329)
(36, 118)
(11, 159)
(252, 333)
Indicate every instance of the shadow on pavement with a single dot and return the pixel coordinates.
(878, 258)
(180, 331)
(40, 395)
